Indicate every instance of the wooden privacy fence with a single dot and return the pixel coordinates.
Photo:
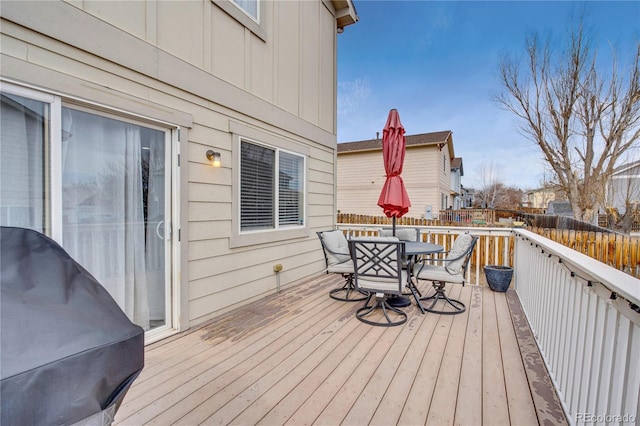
(495, 246)
(361, 219)
(465, 217)
(619, 251)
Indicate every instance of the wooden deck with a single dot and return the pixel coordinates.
(300, 357)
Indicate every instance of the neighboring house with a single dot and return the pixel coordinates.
(560, 208)
(426, 174)
(457, 197)
(541, 197)
(108, 111)
(468, 195)
(624, 186)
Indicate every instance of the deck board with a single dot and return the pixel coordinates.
(445, 397)
(519, 399)
(469, 401)
(494, 398)
(300, 357)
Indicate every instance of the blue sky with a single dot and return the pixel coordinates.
(436, 62)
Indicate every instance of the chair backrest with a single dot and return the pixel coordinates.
(335, 247)
(378, 264)
(403, 234)
(458, 257)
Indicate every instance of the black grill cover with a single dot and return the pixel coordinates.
(67, 351)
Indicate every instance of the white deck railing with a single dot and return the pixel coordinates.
(584, 315)
(585, 318)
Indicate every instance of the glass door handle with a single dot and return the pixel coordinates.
(158, 230)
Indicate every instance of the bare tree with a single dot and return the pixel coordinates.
(492, 193)
(487, 192)
(582, 119)
(511, 198)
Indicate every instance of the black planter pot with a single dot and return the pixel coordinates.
(498, 277)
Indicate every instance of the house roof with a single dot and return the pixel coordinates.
(422, 139)
(346, 13)
(456, 163)
(626, 167)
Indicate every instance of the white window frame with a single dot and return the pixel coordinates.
(276, 187)
(241, 132)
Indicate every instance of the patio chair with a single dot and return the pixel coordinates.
(451, 269)
(403, 234)
(338, 261)
(378, 271)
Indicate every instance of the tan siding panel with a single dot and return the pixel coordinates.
(310, 61)
(322, 189)
(207, 248)
(203, 172)
(207, 192)
(287, 56)
(320, 199)
(323, 166)
(129, 16)
(181, 30)
(360, 180)
(228, 48)
(261, 65)
(209, 229)
(327, 118)
(13, 47)
(199, 211)
(323, 210)
(321, 177)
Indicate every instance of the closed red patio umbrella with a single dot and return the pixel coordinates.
(393, 198)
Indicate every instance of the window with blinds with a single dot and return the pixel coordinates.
(291, 186)
(271, 188)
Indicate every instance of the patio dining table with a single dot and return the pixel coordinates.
(412, 250)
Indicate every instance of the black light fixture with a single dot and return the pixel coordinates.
(214, 158)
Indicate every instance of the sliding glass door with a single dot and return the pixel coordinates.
(101, 186)
(24, 142)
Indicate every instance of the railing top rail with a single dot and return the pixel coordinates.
(478, 230)
(615, 280)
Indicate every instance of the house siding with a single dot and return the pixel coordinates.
(421, 177)
(624, 187)
(360, 180)
(193, 65)
(361, 177)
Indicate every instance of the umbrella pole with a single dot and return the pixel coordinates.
(393, 221)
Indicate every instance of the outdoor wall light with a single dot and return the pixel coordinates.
(214, 158)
